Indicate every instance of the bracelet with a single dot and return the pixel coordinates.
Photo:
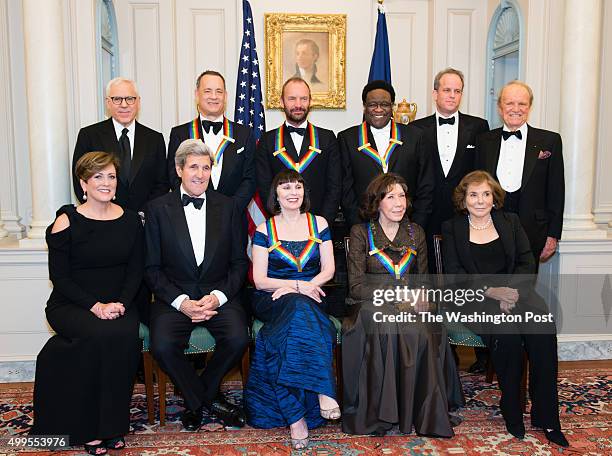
(297, 286)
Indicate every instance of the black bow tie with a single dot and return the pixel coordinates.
(449, 121)
(507, 134)
(197, 202)
(299, 131)
(216, 126)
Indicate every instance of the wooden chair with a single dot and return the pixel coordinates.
(458, 334)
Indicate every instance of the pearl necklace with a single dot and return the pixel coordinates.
(481, 227)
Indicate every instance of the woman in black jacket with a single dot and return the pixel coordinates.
(492, 248)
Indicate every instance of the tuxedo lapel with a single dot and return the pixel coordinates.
(176, 217)
(213, 215)
(532, 151)
(109, 138)
(139, 152)
(492, 152)
(372, 145)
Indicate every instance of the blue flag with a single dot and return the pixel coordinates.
(249, 108)
(380, 68)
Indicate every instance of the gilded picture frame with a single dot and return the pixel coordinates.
(312, 46)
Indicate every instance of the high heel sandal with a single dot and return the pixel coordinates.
(331, 414)
(93, 449)
(118, 443)
(299, 444)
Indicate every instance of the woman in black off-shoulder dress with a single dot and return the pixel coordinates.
(85, 373)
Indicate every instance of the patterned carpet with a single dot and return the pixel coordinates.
(585, 404)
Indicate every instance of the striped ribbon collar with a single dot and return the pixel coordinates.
(366, 147)
(227, 138)
(313, 149)
(396, 270)
(276, 244)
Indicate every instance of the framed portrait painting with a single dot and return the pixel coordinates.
(310, 46)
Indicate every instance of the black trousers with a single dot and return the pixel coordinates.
(507, 356)
(170, 333)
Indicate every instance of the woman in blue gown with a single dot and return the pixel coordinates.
(291, 382)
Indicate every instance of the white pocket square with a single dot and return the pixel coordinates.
(471, 146)
(240, 150)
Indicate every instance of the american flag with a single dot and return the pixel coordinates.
(249, 106)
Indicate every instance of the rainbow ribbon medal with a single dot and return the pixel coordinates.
(194, 129)
(307, 158)
(394, 269)
(228, 130)
(366, 147)
(287, 256)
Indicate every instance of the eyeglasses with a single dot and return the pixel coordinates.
(118, 100)
(383, 105)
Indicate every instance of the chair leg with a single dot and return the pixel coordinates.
(162, 379)
(147, 361)
(523, 393)
(244, 365)
(490, 370)
(339, 381)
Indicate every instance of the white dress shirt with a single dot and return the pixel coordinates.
(511, 160)
(196, 222)
(447, 141)
(131, 130)
(213, 141)
(296, 138)
(381, 138)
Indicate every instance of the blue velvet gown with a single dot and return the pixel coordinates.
(292, 363)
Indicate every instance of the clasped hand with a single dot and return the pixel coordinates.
(306, 288)
(201, 310)
(507, 297)
(109, 311)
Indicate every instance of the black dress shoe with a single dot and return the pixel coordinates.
(192, 419)
(230, 414)
(479, 367)
(517, 430)
(556, 436)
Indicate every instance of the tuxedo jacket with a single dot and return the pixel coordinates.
(170, 264)
(463, 163)
(543, 183)
(148, 175)
(238, 173)
(323, 177)
(410, 160)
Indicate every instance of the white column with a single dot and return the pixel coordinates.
(579, 114)
(9, 220)
(47, 119)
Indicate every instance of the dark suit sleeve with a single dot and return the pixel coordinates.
(82, 146)
(349, 199)
(450, 256)
(333, 186)
(173, 144)
(135, 268)
(524, 259)
(555, 191)
(160, 182)
(239, 263)
(263, 168)
(246, 189)
(162, 287)
(423, 194)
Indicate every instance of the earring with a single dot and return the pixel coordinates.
(114, 197)
(84, 195)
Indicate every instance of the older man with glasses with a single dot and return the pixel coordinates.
(380, 145)
(141, 150)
